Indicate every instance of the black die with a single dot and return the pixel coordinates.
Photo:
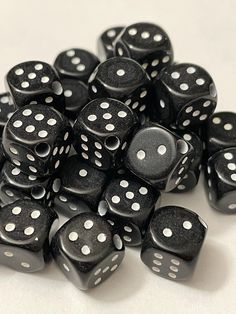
(6, 110)
(35, 82)
(78, 187)
(106, 42)
(76, 63)
(221, 180)
(128, 204)
(185, 96)
(190, 180)
(15, 185)
(102, 130)
(76, 97)
(87, 250)
(146, 43)
(37, 139)
(173, 242)
(25, 231)
(123, 79)
(220, 132)
(158, 156)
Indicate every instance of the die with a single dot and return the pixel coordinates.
(190, 180)
(173, 242)
(6, 110)
(123, 79)
(78, 187)
(221, 180)
(87, 250)
(146, 43)
(25, 231)
(128, 204)
(105, 44)
(76, 97)
(76, 64)
(158, 156)
(15, 185)
(220, 132)
(35, 82)
(102, 130)
(185, 96)
(37, 139)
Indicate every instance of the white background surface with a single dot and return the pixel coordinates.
(202, 32)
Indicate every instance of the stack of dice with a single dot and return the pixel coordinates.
(137, 122)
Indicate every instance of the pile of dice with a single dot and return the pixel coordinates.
(137, 122)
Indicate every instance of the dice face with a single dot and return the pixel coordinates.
(190, 180)
(106, 42)
(173, 242)
(37, 82)
(37, 139)
(87, 250)
(76, 97)
(220, 132)
(128, 204)
(146, 43)
(25, 228)
(123, 79)
(76, 64)
(78, 183)
(186, 95)
(16, 185)
(6, 109)
(159, 156)
(221, 180)
(102, 130)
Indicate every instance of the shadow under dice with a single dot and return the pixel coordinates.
(78, 186)
(173, 242)
(87, 250)
(25, 228)
(221, 180)
(159, 156)
(105, 45)
(186, 96)
(37, 139)
(76, 63)
(146, 43)
(102, 130)
(15, 185)
(190, 180)
(220, 132)
(35, 81)
(128, 205)
(123, 79)
(6, 110)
